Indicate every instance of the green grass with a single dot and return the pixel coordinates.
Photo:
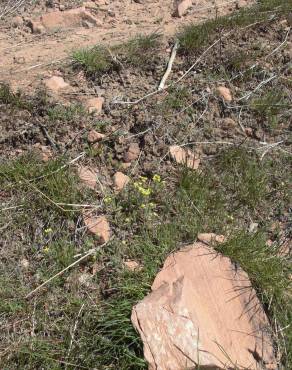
(66, 114)
(140, 52)
(94, 61)
(149, 220)
(14, 99)
(222, 203)
(270, 106)
(195, 36)
(154, 218)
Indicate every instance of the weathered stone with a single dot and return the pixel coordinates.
(209, 238)
(132, 265)
(94, 105)
(87, 176)
(17, 22)
(203, 311)
(98, 225)
(181, 7)
(94, 136)
(36, 27)
(132, 153)
(225, 93)
(56, 83)
(184, 156)
(120, 180)
(67, 18)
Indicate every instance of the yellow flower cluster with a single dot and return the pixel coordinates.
(157, 178)
(144, 191)
(107, 200)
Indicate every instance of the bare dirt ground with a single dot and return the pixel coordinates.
(26, 57)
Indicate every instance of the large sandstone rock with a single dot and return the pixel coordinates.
(68, 18)
(203, 311)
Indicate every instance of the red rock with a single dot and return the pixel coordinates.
(132, 265)
(94, 136)
(46, 153)
(203, 311)
(225, 93)
(36, 27)
(209, 238)
(120, 180)
(94, 105)
(56, 83)
(17, 22)
(67, 18)
(181, 7)
(87, 176)
(184, 156)
(98, 225)
(133, 153)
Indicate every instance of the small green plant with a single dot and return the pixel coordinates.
(193, 36)
(65, 114)
(16, 100)
(95, 61)
(176, 99)
(270, 105)
(142, 50)
(244, 176)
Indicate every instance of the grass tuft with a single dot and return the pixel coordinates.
(193, 36)
(95, 61)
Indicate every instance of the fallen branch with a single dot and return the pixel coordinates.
(89, 253)
(169, 66)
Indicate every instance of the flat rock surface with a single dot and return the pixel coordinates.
(203, 311)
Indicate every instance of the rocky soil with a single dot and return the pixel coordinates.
(103, 176)
(30, 49)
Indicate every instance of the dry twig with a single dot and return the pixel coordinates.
(169, 66)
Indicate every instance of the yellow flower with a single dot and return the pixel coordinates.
(157, 178)
(127, 219)
(48, 231)
(143, 179)
(144, 192)
(46, 250)
(107, 200)
(143, 205)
